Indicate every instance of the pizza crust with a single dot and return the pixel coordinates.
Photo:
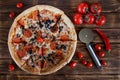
(62, 63)
(30, 69)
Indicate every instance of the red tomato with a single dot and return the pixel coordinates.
(12, 15)
(40, 39)
(19, 5)
(98, 47)
(95, 8)
(101, 54)
(100, 20)
(11, 67)
(83, 8)
(89, 64)
(103, 62)
(78, 18)
(72, 64)
(89, 18)
(84, 62)
(79, 55)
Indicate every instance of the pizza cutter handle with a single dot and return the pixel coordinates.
(93, 55)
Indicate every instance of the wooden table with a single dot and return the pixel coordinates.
(111, 9)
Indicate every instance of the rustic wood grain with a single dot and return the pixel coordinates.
(111, 9)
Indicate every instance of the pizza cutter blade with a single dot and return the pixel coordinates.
(86, 36)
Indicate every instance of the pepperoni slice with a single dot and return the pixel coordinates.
(44, 51)
(40, 51)
(21, 53)
(34, 48)
(27, 47)
(46, 18)
(53, 45)
(35, 14)
(54, 29)
(43, 63)
(27, 33)
(56, 17)
(64, 38)
(39, 33)
(59, 54)
(17, 40)
(21, 22)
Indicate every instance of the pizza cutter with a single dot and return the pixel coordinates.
(86, 36)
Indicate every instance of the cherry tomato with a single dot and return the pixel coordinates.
(100, 20)
(83, 8)
(101, 54)
(103, 62)
(72, 64)
(12, 15)
(19, 5)
(89, 18)
(95, 8)
(78, 19)
(89, 64)
(79, 55)
(40, 40)
(11, 67)
(98, 47)
(84, 62)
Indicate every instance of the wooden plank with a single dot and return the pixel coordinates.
(60, 77)
(112, 6)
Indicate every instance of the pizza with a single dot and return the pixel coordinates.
(42, 40)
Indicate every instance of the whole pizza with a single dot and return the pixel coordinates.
(42, 39)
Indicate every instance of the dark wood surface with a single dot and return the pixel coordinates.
(111, 9)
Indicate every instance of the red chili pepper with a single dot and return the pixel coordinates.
(105, 39)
